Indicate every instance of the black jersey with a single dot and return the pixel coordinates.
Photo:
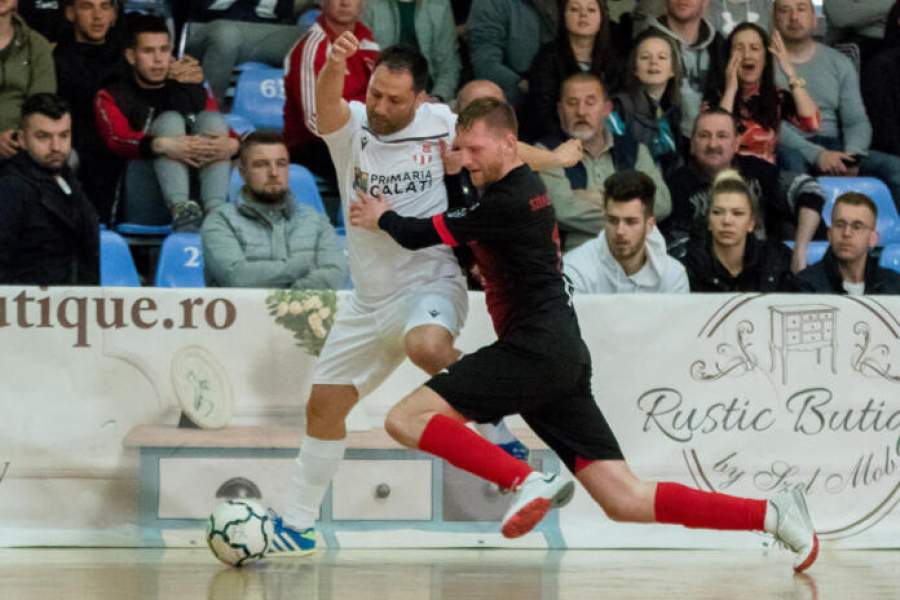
(513, 235)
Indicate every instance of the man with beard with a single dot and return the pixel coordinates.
(790, 204)
(403, 303)
(265, 239)
(49, 232)
(841, 146)
(539, 366)
(629, 256)
(577, 191)
(165, 128)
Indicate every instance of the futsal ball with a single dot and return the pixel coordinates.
(239, 531)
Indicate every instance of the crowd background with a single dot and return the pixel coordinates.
(132, 130)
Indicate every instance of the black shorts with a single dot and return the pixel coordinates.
(553, 396)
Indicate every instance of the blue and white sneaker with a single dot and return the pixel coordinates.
(288, 541)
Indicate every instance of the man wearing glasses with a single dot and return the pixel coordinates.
(847, 267)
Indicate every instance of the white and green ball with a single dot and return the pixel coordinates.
(239, 531)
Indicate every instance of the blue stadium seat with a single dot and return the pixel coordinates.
(890, 257)
(239, 124)
(249, 66)
(301, 182)
(116, 265)
(259, 98)
(888, 225)
(180, 262)
(815, 252)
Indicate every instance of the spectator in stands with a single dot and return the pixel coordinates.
(265, 239)
(881, 90)
(301, 70)
(49, 232)
(427, 26)
(577, 191)
(703, 53)
(629, 256)
(48, 17)
(649, 108)
(729, 257)
(790, 204)
(225, 34)
(841, 146)
(748, 91)
(165, 128)
(725, 15)
(504, 37)
(847, 267)
(477, 88)
(860, 22)
(27, 67)
(86, 61)
(582, 44)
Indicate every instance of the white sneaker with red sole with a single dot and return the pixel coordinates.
(535, 496)
(795, 529)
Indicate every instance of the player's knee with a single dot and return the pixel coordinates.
(431, 355)
(321, 412)
(396, 424)
(617, 511)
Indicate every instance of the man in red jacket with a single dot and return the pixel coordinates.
(302, 67)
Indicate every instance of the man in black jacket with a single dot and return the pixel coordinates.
(49, 232)
(847, 267)
(88, 59)
(790, 204)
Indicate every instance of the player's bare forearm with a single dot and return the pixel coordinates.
(332, 111)
(807, 224)
(541, 159)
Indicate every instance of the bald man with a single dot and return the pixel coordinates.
(477, 88)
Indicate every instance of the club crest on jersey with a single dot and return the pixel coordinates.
(425, 157)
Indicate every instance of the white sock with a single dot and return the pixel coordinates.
(771, 521)
(495, 434)
(315, 467)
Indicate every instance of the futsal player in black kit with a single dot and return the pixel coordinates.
(539, 366)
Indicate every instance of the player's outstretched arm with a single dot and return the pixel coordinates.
(375, 215)
(539, 159)
(332, 111)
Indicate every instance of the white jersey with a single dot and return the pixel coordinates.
(406, 167)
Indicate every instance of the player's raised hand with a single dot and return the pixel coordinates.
(452, 157)
(368, 210)
(344, 47)
(568, 153)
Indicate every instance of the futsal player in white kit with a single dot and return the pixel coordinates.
(404, 303)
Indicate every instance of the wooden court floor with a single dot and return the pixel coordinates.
(103, 574)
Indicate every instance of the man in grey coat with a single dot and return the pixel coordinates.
(266, 239)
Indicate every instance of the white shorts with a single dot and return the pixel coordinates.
(366, 345)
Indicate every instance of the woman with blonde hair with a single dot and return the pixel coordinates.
(729, 257)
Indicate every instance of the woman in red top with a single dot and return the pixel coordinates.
(751, 94)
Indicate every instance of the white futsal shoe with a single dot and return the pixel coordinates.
(795, 528)
(534, 498)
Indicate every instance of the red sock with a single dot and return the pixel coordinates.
(463, 448)
(676, 503)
